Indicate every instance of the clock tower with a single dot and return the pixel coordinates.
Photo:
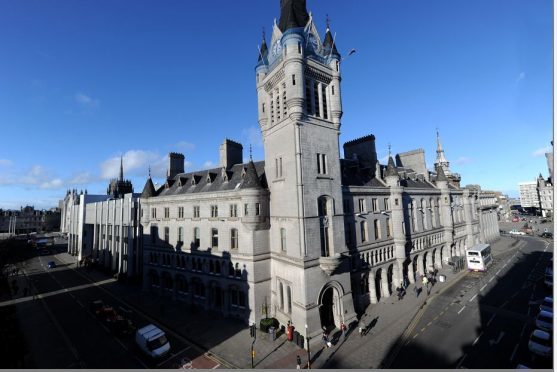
(299, 109)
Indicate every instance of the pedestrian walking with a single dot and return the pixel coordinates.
(325, 339)
(298, 362)
(424, 281)
(416, 291)
(343, 328)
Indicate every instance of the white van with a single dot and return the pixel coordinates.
(152, 341)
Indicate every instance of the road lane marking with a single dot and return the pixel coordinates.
(477, 339)
(461, 361)
(416, 335)
(122, 344)
(490, 280)
(482, 288)
(490, 320)
(523, 329)
(472, 299)
(463, 307)
(423, 329)
(215, 367)
(514, 352)
(428, 324)
(79, 303)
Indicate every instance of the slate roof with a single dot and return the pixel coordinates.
(149, 189)
(293, 14)
(330, 42)
(391, 168)
(353, 175)
(217, 179)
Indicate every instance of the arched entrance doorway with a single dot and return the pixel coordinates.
(389, 280)
(415, 267)
(330, 307)
(378, 275)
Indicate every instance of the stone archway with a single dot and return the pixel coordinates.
(390, 280)
(433, 258)
(415, 267)
(378, 291)
(424, 263)
(330, 306)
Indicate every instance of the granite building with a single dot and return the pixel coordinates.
(305, 236)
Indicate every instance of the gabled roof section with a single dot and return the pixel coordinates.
(233, 179)
(149, 189)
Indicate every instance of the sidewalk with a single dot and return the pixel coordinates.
(390, 318)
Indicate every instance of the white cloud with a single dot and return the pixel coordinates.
(5, 163)
(136, 163)
(81, 179)
(86, 101)
(36, 176)
(384, 159)
(208, 164)
(463, 160)
(52, 184)
(521, 76)
(253, 136)
(542, 151)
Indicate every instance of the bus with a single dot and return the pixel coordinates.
(479, 257)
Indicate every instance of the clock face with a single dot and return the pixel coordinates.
(277, 48)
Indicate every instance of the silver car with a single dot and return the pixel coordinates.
(540, 343)
(544, 321)
(547, 304)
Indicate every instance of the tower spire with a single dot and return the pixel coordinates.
(293, 14)
(441, 161)
(121, 168)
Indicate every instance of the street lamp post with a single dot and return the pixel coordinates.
(309, 353)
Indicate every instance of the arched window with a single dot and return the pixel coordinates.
(289, 299)
(281, 294)
(423, 211)
(323, 209)
(377, 229)
(363, 231)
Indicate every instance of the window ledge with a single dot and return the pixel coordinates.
(282, 179)
(324, 177)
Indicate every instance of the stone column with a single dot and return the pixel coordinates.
(384, 284)
(438, 263)
(372, 289)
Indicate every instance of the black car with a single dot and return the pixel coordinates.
(547, 235)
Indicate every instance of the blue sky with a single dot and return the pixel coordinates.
(83, 82)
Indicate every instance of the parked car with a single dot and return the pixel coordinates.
(547, 235)
(51, 265)
(547, 304)
(152, 341)
(543, 221)
(516, 232)
(544, 321)
(540, 343)
(515, 219)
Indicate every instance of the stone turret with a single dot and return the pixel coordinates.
(175, 165)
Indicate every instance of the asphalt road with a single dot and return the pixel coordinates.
(63, 333)
(485, 319)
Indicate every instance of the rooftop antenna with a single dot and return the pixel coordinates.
(328, 21)
(149, 171)
(250, 153)
(389, 150)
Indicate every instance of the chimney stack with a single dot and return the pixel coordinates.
(175, 165)
(231, 153)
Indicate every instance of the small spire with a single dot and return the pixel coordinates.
(121, 168)
(328, 22)
(389, 150)
(149, 171)
(250, 153)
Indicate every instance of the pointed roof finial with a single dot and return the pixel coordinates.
(389, 150)
(263, 32)
(328, 21)
(149, 171)
(250, 153)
